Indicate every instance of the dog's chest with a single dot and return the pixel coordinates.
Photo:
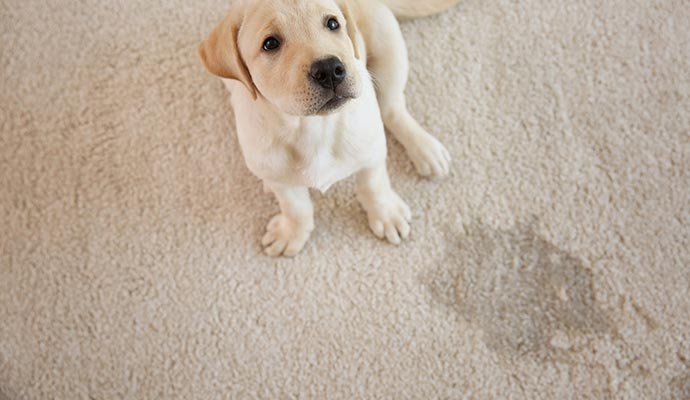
(318, 152)
(329, 151)
(315, 152)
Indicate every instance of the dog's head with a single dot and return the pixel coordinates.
(298, 54)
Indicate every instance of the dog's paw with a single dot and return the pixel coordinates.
(285, 236)
(389, 218)
(429, 156)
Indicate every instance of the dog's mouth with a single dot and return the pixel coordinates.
(337, 101)
(334, 103)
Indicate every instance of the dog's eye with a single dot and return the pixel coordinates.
(271, 44)
(333, 24)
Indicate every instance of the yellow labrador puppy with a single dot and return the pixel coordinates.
(302, 74)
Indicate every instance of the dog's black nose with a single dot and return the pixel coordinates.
(329, 72)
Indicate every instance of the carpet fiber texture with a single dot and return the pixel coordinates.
(553, 264)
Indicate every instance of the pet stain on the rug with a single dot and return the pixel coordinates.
(526, 295)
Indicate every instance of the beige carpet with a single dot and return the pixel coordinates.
(553, 264)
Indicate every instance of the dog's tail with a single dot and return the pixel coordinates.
(407, 9)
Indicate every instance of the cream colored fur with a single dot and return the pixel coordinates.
(286, 138)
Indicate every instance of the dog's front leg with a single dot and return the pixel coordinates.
(288, 232)
(389, 216)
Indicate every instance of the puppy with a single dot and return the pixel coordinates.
(308, 114)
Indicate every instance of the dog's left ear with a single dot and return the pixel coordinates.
(220, 52)
(352, 29)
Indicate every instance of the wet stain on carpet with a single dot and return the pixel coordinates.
(527, 296)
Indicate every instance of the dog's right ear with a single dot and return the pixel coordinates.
(352, 28)
(221, 54)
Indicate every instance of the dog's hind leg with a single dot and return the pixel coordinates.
(389, 66)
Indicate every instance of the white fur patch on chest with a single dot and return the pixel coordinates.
(315, 152)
